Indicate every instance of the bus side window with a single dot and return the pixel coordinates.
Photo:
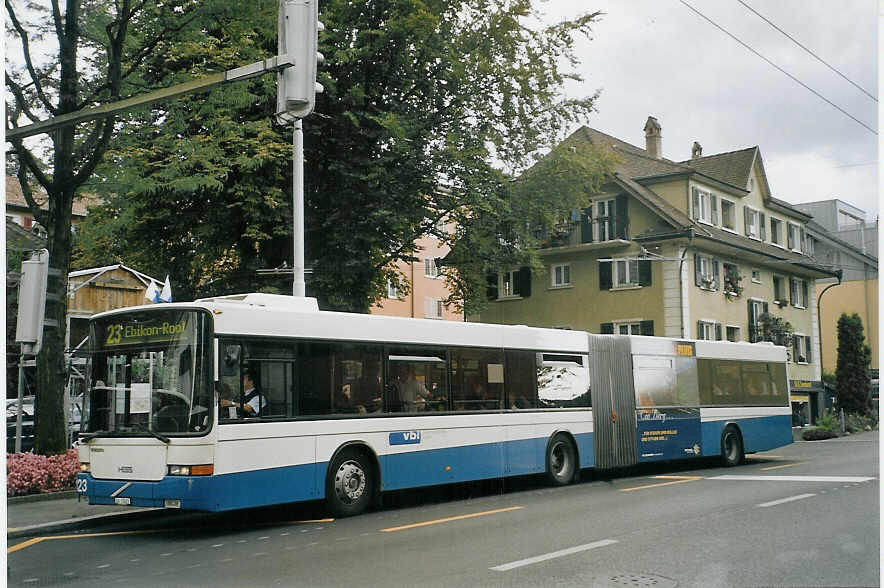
(521, 381)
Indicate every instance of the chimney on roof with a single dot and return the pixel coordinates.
(653, 138)
(696, 151)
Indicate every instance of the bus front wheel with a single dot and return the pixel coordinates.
(561, 461)
(350, 485)
(731, 447)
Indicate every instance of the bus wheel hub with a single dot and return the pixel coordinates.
(349, 482)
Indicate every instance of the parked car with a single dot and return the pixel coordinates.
(27, 423)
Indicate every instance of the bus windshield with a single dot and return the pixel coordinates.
(149, 374)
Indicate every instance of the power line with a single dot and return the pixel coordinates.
(793, 78)
(818, 58)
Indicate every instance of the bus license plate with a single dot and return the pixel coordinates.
(123, 501)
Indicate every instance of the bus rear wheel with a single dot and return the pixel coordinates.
(350, 485)
(731, 447)
(561, 461)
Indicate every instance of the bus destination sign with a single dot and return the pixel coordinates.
(119, 333)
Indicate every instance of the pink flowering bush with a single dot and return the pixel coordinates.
(29, 473)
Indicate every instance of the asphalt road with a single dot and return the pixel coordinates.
(803, 515)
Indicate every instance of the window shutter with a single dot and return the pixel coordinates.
(713, 201)
(803, 244)
(696, 211)
(698, 272)
(808, 347)
(764, 308)
(700, 330)
(439, 308)
(525, 282)
(586, 225)
(621, 217)
(795, 349)
(491, 289)
(607, 329)
(762, 228)
(716, 277)
(644, 274)
(606, 278)
(647, 328)
(752, 323)
(790, 237)
(718, 332)
(793, 291)
(746, 220)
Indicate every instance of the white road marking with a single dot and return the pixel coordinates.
(102, 566)
(547, 556)
(794, 478)
(218, 545)
(263, 538)
(785, 500)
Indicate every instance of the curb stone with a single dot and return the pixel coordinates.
(41, 497)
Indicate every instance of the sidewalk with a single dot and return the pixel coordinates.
(43, 513)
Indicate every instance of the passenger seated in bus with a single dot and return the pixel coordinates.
(366, 390)
(344, 402)
(412, 393)
(252, 402)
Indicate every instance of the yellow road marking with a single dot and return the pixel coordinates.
(449, 519)
(36, 540)
(788, 465)
(24, 544)
(675, 480)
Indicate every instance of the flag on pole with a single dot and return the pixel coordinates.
(166, 294)
(153, 293)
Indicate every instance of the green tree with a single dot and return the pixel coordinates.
(852, 370)
(430, 109)
(102, 47)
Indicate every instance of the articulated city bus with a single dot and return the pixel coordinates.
(255, 399)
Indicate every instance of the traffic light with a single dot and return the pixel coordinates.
(299, 28)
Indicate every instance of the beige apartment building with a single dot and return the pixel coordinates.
(428, 288)
(697, 249)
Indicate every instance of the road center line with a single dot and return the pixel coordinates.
(787, 465)
(794, 478)
(676, 480)
(785, 500)
(449, 519)
(547, 556)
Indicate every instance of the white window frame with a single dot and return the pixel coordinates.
(560, 275)
(738, 329)
(707, 272)
(797, 245)
(798, 295)
(630, 268)
(777, 237)
(733, 206)
(802, 345)
(704, 201)
(610, 210)
(633, 327)
(431, 268)
(503, 292)
(756, 232)
(710, 325)
(433, 308)
(753, 272)
(392, 291)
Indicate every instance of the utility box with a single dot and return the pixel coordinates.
(32, 302)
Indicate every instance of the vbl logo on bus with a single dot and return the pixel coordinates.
(405, 438)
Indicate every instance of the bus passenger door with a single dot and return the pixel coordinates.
(613, 401)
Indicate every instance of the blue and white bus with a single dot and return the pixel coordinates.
(346, 406)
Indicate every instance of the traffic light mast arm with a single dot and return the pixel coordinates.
(252, 70)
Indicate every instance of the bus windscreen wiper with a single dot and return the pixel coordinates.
(149, 431)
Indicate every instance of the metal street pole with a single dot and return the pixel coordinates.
(21, 395)
(298, 286)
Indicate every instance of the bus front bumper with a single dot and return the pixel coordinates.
(186, 492)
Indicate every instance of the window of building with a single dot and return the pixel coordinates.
(779, 288)
(560, 275)
(751, 222)
(625, 272)
(433, 308)
(776, 231)
(603, 220)
(706, 273)
(801, 348)
(798, 292)
(795, 237)
(756, 309)
(629, 328)
(431, 267)
(708, 331)
(733, 333)
(392, 290)
(705, 207)
(728, 215)
(756, 276)
(508, 286)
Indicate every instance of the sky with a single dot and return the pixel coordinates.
(659, 58)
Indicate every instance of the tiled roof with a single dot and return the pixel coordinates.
(19, 238)
(674, 216)
(732, 168)
(633, 162)
(14, 197)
